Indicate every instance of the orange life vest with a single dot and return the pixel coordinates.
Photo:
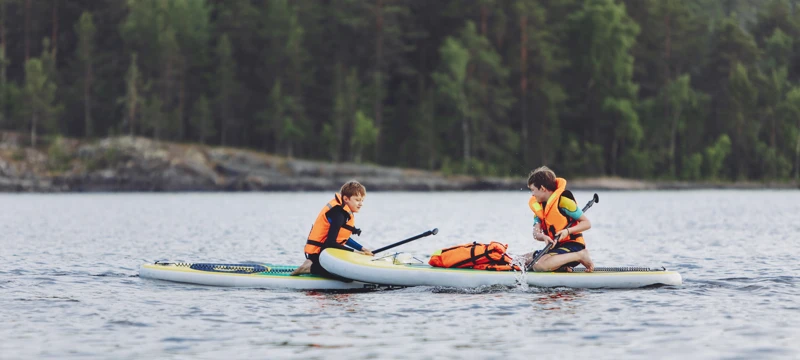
(319, 231)
(490, 256)
(551, 219)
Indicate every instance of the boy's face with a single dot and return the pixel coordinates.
(540, 193)
(354, 202)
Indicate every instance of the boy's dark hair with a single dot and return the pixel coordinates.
(353, 188)
(543, 176)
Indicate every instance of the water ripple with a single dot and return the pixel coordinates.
(70, 285)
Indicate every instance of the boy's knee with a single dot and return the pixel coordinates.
(539, 267)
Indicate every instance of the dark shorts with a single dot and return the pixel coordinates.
(567, 247)
(317, 269)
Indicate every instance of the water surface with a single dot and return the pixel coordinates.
(69, 286)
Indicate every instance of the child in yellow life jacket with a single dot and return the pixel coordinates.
(557, 215)
(333, 227)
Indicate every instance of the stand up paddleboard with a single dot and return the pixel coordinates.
(244, 275)
(387, 270)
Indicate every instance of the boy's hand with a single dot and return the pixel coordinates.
(538, 234)
(563, 234)
(366, 251)
(548, 240)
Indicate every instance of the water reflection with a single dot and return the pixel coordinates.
(557, 299)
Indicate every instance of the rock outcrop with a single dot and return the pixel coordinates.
(141, 164)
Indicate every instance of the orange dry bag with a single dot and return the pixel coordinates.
(490, 256)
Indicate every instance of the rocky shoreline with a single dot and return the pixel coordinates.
(134, 164)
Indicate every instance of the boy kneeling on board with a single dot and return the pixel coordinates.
(557, 215)
(333, 227)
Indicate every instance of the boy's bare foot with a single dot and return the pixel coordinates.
(585, 260)
(565, 268)
(302, 269)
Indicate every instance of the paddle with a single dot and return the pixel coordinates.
(427, 233)
(595, 199)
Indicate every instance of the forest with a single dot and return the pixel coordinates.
(649, 89)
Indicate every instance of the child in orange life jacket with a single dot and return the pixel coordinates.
(557, 214)
(333, 227)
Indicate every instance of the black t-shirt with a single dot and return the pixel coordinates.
(337, 217)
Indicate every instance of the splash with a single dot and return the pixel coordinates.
(520, 276)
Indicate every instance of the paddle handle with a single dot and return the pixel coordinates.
(427, 233)
(595, 199)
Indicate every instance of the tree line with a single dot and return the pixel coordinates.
(654, 89)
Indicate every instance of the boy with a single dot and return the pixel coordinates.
(557, 215)
(333, 227)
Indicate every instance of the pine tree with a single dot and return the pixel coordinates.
(134, 96)
(40, 98)
(226, 87)
(202, 119)
(86, 47)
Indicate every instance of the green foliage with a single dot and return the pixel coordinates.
(330, 140)
(11, 97)
(86, 50)
(692, 167)
(226, 85)
(40, 94)
(637, 164)
(638, 88)
(628, 127)
(425, 139)
(742, 99)
(606, 35)
(278, 121)
(154, 118)
(778, 52)
(586, 158)
(677, 122)
(451, 80)
(346, 104)
(773, 164)
(715, 156)
(478, 100)
(364, 134)
(202, 120)
(732, 45)
(134, 97)
(59, 157)
(86, 32)
(4, 85)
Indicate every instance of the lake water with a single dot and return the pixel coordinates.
(69, 285)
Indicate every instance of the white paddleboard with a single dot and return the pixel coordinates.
(386, 270)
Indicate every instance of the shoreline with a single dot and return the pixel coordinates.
(136, 164)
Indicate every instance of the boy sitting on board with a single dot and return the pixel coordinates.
(333, 227)
(557, 215)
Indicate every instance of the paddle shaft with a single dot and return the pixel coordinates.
(427, 233)
(547, 247)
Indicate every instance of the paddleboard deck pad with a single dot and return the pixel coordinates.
(244, 275)
(389, 270)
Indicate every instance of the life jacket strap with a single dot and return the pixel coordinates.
(352, 229)
(314, 243)
(473, 258)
